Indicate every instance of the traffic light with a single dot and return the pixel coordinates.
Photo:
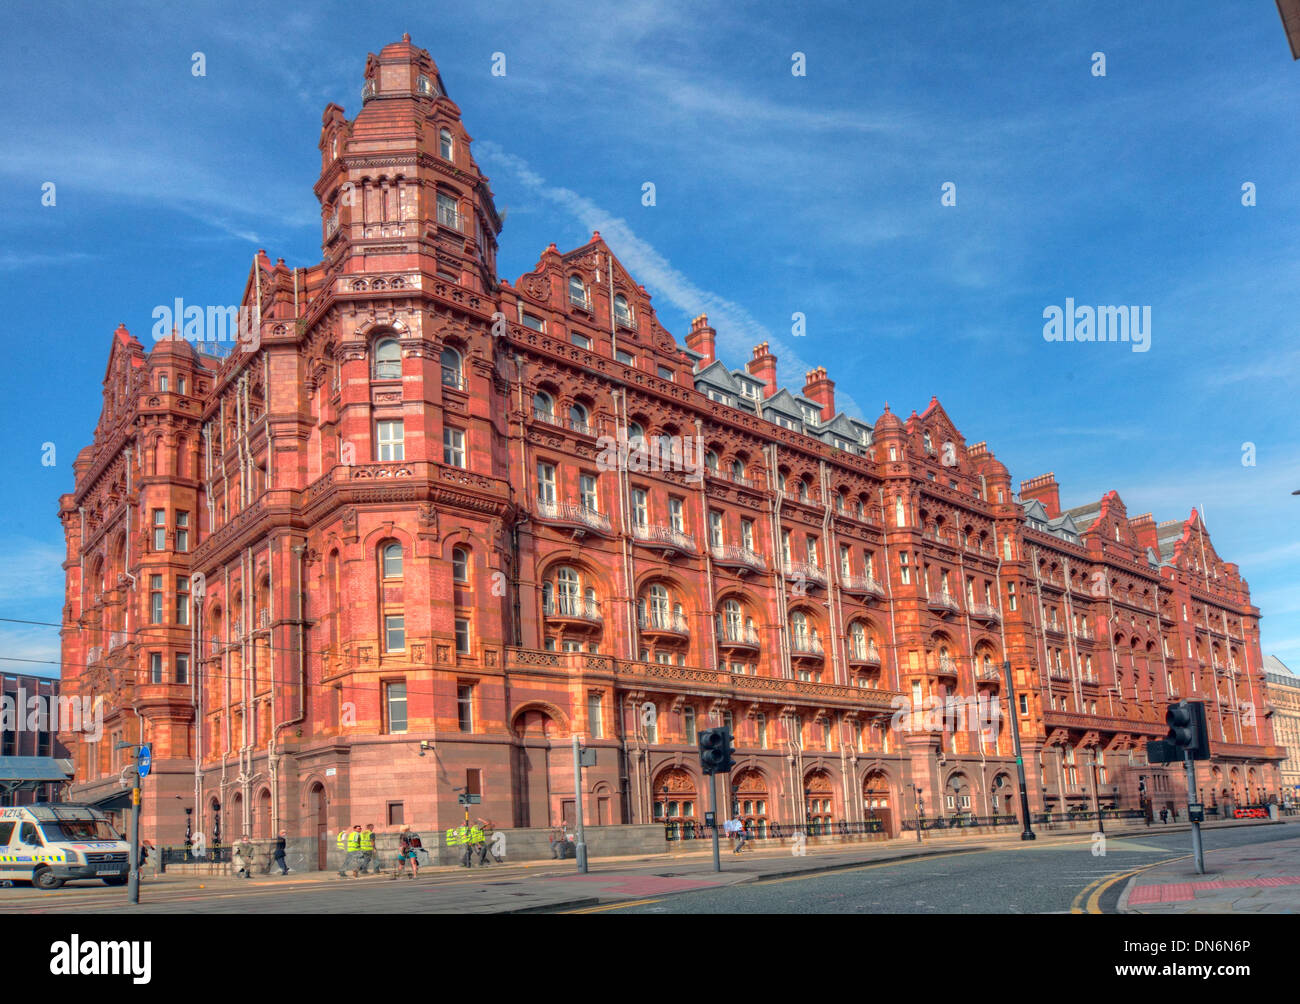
(716, 751)
(1188, 731)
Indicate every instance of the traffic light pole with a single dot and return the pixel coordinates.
(1197, 852)
(580, 836)
(713, 804)
(133, 890)
(1028, 832)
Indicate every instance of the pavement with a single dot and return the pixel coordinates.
(538, 886)
(1258, 878)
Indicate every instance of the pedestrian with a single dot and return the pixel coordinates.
(197, 848)
(342, 842)
(742, 836)
(468, 838)
(1164, 816)
(557, 843)
(369, 859)
(281, 844)
(243, 858)
(408, 848)
(353, 861)
(486, 829)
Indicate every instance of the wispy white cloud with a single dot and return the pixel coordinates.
(31, 570)
(738, 330)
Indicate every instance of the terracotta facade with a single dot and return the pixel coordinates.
(378, 554)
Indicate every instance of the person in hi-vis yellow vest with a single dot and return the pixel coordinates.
(342, 841)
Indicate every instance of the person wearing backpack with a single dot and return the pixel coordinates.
(408, 847)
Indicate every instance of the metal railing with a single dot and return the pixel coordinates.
(862, 583)
(573, 606)
(572, 512)
(737, 635)
(947, 666)
(943, 599)
(958, 821)
(662, 620)
(806, 645)
(696, 830)
(864, 653)
(654, 533)
(794, 569)
(736, 554)
(985, 610)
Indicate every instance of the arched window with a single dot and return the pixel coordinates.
(858, 639)
(622, 312)
(543, 406)
(451, 368)
(738, 468)
(711, 461)
(577, 291)
(578, 417)
(460, 564)
(732, 620)
(900, 514)
(393, 560)
(568, 592)
(799, 629)
(388, 360)
(445, 145)
(803, 491)
(635, 436)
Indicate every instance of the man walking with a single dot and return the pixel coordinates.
(342, 842)
(368, 857)
(354, 851)
(280, 845)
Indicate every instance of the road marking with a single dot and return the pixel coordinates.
(825, 873)
(612, 906)
(1089, 898)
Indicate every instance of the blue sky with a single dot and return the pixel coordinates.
(775, 193)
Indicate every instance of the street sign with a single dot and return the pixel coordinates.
(1195, 812)
(469, 799)
(143, 760)
(587, 757)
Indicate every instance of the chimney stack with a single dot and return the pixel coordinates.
(1144, 527)
(1046, 490)
(818, 387)
(763, 368)
(701, 339)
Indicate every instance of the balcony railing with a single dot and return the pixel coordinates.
(116, 640)
(1060, 674)
(735, 635)
(864, 653)
(579, 608)
(733, 554)
(947, 666)
(663, 620)
(807, 646)
(94, 654)
(861, 584)
(665, 536)
(796, 569)
(943, 601)
(738, 479)
(572, 512)
(984, 612)
(989, 673)
(581, 427)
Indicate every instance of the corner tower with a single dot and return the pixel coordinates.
(398, 183)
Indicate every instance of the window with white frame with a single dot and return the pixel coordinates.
(453, 447)
(390, 438)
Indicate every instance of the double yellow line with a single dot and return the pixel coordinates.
(1089, 899)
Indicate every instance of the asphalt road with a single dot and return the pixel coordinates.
(1034, 877)
(1039, 877)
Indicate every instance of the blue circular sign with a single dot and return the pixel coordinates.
(143, 759)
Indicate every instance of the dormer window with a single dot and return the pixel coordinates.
(577, 292)
(367, 90)
(622, 312)
(445, 145)
(427, 87)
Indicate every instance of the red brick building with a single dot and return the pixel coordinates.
(389, 519)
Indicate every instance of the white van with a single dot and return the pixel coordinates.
(48, 844)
